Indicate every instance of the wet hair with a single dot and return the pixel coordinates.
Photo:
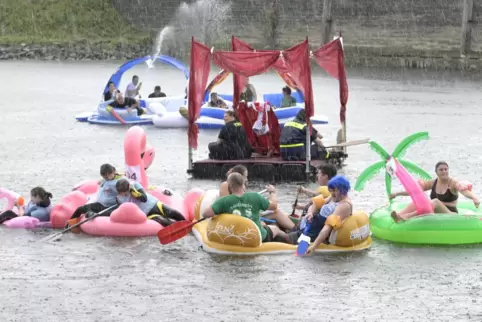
(235, 181)
(439, 164)
(122, 185)
(287, 90)
(341, 183)
(134, 77)
(106, 169)
(157, 88)
(301, 115)
(44, 195)
(239, 168)
(328, 169)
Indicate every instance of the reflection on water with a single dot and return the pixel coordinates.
(81, 278)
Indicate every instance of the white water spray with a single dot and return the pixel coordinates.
(163, 34)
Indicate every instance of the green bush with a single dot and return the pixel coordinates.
(64, 21)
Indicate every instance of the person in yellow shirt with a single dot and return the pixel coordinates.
(325, 173)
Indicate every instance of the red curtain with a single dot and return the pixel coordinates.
(332, 59)
(198, 78)
(239, 81)
(297, 62)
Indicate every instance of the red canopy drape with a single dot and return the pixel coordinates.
(198, 78)
(331, 58)
(245, 63)
(239, 81)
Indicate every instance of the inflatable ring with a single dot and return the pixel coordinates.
(234, 235)
(441, 229)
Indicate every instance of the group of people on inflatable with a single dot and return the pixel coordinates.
(326, 212)
(233, 142)
(114, 190)
(129, 100)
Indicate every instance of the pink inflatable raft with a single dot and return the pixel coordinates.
(127, 220)
(20, 222)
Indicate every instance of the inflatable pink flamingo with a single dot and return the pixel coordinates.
(420, 200)
(128, 219)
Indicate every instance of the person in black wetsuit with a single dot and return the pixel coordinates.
(444, 194)
(232, 143)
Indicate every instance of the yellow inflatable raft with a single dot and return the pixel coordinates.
(235, 235)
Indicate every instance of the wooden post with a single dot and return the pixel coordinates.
(327, 22)
(467, 23)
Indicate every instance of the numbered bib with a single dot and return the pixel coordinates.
(133, 172)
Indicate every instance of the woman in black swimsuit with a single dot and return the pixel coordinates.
(444, 194)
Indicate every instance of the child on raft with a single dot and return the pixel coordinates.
(150, 205)
(106, 196)
(38, 207)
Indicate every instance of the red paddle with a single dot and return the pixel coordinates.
(176, 231)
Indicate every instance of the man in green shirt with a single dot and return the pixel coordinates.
(287, 100)
(248, 205)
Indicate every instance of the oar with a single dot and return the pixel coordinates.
(180, 229)
(176, 231)
(59, 234)
(351, 143)
(296, 203)
(114, 114)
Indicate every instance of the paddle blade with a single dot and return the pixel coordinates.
(303, 244)
(175, 231)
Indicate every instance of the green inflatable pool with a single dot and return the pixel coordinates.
(442, 229)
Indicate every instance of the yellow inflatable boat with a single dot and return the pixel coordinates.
(235, 235)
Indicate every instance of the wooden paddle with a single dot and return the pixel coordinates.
(295, 204)
(179, 229)
(59, 234)
(350, 143)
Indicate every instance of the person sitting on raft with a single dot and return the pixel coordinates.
(216, 101)
(293, 139)
(287, 100)
(332, 214)
(132, 90)
(248, 205)
(106, 195)
(110, 95)
(444, 194)
(157, 92)
(153, 208)
(127, 102)
(281, 218)
(325, 173)
(249, 94)
(232, 143)
(38, 207)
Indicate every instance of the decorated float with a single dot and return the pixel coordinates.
(427, 227)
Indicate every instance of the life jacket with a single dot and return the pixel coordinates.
(293, 134)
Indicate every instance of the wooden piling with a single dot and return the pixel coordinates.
(468, 19)
(327, 22)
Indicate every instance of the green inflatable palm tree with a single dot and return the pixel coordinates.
(370, 172)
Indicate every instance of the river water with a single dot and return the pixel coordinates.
(82, 278)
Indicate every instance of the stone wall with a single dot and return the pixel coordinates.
(416, 33)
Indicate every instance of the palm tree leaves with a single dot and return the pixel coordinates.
(410, 140)
(368, 174)
(400, 150)
(379, 150)
(415, 169)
